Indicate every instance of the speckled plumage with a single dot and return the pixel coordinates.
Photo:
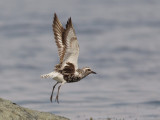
(67, 70)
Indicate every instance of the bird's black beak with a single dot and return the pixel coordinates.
(93, 72)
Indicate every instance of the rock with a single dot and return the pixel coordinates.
(12, 111)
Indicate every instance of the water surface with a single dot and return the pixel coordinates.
(118, 39)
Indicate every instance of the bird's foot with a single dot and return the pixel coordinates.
(51, 98)
(56, 100)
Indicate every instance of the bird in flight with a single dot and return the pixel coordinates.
(67, 70)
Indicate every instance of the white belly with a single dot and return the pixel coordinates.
(54, 75)
(59, 78)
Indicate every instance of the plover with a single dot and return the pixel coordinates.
(67, 70)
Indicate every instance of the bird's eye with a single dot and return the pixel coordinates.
(88, 70)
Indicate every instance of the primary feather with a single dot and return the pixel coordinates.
(66, 42)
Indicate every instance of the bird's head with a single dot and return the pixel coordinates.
(88, 71)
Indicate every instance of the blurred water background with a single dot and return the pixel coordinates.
(119, 39)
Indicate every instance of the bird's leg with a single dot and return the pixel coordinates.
(52, 91)
(58, 94)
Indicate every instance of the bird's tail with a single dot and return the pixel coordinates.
(49, 75)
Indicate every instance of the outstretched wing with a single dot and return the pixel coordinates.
(71, 46)
(58, 34)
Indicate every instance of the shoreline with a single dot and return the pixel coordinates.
(12, 111)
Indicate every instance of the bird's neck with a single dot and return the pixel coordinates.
(81, 73)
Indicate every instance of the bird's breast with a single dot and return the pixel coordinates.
(72, 78)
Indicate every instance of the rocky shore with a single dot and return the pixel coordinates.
(12, 111)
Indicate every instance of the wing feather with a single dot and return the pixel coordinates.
(58, 34)
(72, 47)
(66, 42)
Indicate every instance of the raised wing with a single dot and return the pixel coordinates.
(72, 47)
(58, 34)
